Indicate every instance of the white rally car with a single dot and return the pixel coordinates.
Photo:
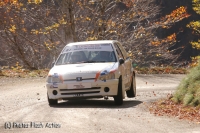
(91, 69)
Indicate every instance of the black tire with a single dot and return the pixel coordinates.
(52, 101)
(119, 98)
(132, 92)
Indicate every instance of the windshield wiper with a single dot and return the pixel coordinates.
(92, 61)
(101, 61)
(89, 61)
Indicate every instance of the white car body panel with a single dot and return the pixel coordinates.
(63, 78)
(85, 70)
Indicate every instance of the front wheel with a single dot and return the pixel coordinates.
(132, 92)
(52, 101)
(119, 98)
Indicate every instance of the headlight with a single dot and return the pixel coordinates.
(54, 79)
(107, 76)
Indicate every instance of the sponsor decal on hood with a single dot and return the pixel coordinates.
(109, 69)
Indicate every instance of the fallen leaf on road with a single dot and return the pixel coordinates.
(169, 108)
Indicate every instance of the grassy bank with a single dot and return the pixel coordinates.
(188, 92)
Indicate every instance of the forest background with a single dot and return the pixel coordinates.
(159, 33)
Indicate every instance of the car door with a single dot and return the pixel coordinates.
(127, 65)
(122, 67)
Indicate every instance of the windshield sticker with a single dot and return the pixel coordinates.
(90, 47)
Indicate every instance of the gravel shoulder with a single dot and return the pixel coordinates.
(23, 101)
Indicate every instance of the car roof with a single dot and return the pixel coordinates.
(91, 42)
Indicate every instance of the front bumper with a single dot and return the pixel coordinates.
(90, 88)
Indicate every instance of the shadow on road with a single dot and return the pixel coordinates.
(96, 104)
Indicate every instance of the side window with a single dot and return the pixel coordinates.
(66, 58)
(120, 55)
(122, 50)
(60, 59)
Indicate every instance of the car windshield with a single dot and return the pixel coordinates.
(74, 56)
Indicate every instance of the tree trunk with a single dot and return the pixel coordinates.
(70, 35)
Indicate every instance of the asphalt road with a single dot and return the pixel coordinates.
(24, 108)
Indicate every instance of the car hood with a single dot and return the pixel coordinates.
(85, 70)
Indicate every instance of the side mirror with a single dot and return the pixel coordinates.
(121, 61)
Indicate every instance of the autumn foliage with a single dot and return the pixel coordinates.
(172, 109)
(188, 90)
(35, 31)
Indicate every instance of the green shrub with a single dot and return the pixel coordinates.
(188, 98)
(188, 91)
